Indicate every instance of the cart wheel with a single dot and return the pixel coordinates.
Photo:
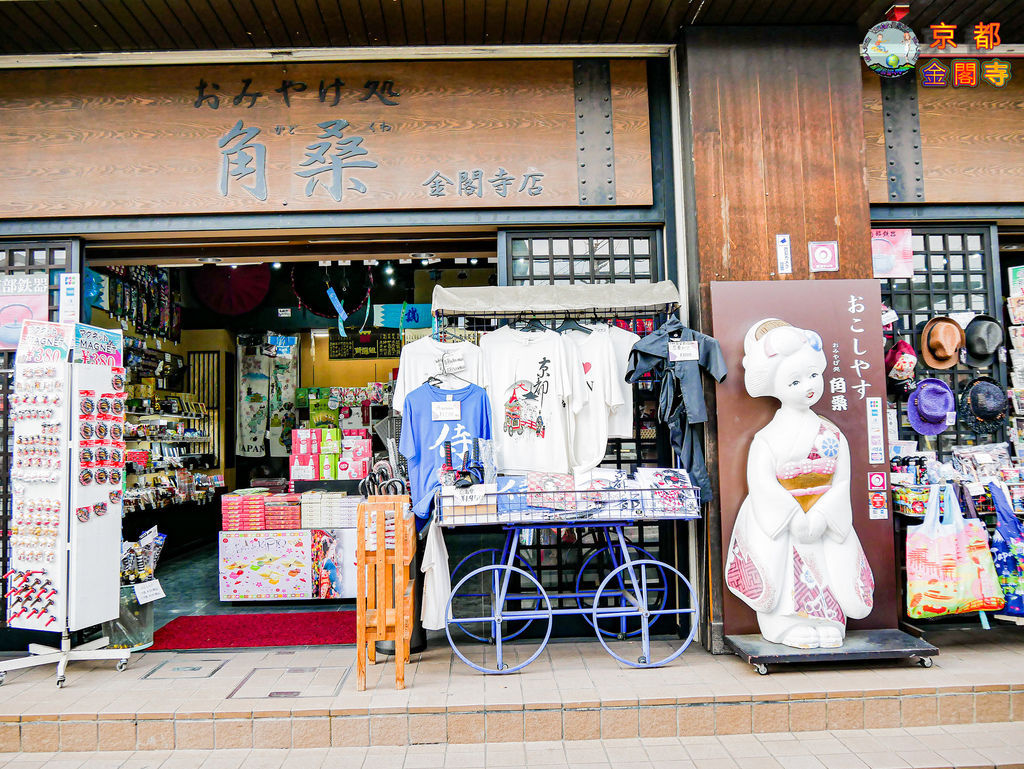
(925, 662)
(490, 612)
(489, 557)
(60, 682)
(634, 590)
(122, 665)
(761, 668)
(3, 677)
(588, 578)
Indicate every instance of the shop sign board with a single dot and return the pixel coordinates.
(846, 315)
(323, 136)
(892, 253)
(379, 343)
(22, 297)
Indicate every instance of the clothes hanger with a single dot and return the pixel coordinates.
(571, 324)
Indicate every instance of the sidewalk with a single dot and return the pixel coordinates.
(306, 697)
(935, 747)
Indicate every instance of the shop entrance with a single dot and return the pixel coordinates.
(207, 325)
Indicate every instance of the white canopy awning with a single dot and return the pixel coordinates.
(539, 299)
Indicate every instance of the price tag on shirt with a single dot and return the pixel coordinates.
(446, 411)
(950, 417)
(681, 350)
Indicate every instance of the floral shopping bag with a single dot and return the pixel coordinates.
(949, 565)
(1008, 551)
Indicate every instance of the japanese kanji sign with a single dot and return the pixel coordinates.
(22, 297)
(338, 136)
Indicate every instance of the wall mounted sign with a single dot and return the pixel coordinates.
(321, 136)
(379, 343)
(892, 254)
(22, 297)
(824, 256)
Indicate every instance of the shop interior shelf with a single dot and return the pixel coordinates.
(160, 439)
(159, 415)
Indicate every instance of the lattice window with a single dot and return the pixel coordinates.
(568, 257)
(956, 269)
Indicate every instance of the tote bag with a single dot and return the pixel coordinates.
(949, 565)
(1008, 551)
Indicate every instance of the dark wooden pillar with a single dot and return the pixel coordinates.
(773, 122)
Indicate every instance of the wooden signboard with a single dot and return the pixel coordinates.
(379, 343)
(322, 136)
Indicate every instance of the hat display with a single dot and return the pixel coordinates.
(984, 337)
(900, 361)
(929, 405)
(983, 405)
(941, 340)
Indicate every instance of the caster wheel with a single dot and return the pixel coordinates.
(60, 682)
(926, 662)
(3, 677)
(504, 666)
(761, 669)
(122, 666)
(642, 660)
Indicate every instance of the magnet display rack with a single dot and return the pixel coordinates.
(67, 475)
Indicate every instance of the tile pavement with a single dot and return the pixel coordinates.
(306, 698)
(963, 746)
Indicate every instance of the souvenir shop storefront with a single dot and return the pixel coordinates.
(268, 244)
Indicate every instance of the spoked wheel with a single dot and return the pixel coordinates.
(503, 597)
(478, 588)
(638, 600)
(588, 579)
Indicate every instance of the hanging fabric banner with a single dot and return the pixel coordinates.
(253, 397)
(284, 376)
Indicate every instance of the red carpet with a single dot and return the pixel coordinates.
(232, 631)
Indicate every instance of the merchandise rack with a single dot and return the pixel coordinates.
(621, 590)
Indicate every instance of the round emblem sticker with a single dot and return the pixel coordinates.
(890, 49)
(85, 477)
(86, 430)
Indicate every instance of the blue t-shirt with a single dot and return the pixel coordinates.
(423, 437)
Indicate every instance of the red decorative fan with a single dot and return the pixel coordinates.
(231, 291)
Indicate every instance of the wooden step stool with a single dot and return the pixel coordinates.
(384, 592)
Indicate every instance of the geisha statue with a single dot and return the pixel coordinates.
(794, 557)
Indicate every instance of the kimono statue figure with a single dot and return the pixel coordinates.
(794, 557)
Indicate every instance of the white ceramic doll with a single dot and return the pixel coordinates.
(794, 557)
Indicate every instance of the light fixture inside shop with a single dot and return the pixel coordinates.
(474, 260)
(389, 270)
(276, 265)
(208, 259)
(391, 281)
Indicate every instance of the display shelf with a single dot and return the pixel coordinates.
(159, 439)
(160, 415)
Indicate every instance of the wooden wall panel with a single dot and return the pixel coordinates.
(96, 142)
(874, 137)
(972, 142)
(778, 147)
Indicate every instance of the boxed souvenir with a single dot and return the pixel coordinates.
(356, 448)
(306, 441)
(302, 397)
(328, 467)
(305, 467)
(352, 469)
(330, 440)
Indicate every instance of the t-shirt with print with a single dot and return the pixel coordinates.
(423, 436)
(620, 424)
(535, 383)
(589, 428)
(422, 359)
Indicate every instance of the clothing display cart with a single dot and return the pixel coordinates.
(67, 475)
(624, 593)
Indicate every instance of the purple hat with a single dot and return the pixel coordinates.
(928, 406)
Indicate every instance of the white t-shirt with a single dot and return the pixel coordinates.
(620, 425)
(437, 581)
(423, 358)
(535, 384)
(589, 428)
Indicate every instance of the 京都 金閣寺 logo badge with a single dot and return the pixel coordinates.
(890, 49)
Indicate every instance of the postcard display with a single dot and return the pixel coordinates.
(67, 477)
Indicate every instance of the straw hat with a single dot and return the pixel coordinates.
(941, 340)
(983, 405)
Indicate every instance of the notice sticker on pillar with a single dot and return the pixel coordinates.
(876, 431)
(784, 254)
(892, 419)
(70, 301)
(824, 256)
(879, 505)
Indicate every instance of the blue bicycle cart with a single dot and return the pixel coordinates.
(634, 602)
